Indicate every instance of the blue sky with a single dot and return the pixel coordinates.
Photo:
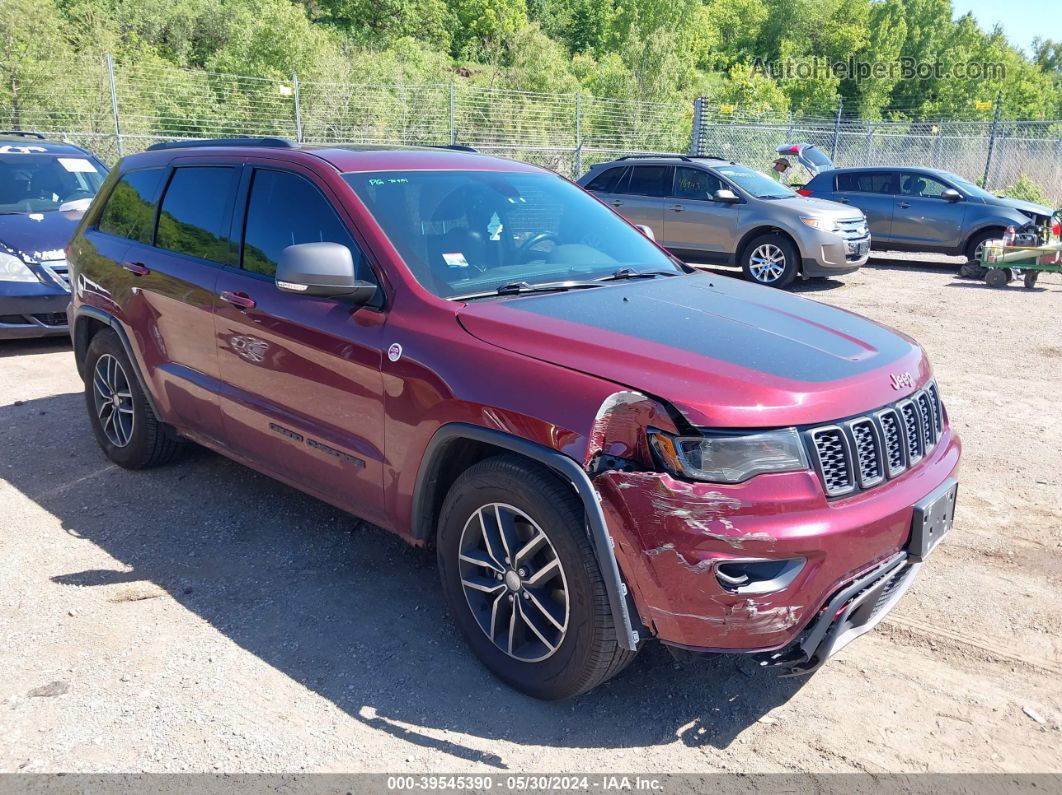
(1022, 20)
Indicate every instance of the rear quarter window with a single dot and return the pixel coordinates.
(130, 209)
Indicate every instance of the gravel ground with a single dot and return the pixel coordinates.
(201, 617)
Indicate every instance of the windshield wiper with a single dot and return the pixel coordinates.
(631, 273)
(520, 288)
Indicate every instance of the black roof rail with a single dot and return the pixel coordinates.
(634, 157)
(247, 140)
(714, 157)
(457, 147)
(25, 134)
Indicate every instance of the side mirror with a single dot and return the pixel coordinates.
(951, 195)
(726, 196)
(646, 230)
(322, 269)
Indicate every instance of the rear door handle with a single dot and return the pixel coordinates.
(677, 208)
(843, 201)
(616, 203)
(137, 268)
(239, 300)
(904, 205)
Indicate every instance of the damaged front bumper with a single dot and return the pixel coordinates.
(671, 537)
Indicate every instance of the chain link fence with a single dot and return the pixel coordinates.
(995, 153)
(114, 109)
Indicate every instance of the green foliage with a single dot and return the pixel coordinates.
(654, 50)
(1027, 190)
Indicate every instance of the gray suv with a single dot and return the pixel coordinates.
(706, 209)
(924, 209)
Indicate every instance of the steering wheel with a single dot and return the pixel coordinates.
(533, 241)
(78, 194)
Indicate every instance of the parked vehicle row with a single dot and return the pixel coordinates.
(603, 444)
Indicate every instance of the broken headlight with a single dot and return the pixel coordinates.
(730, 457)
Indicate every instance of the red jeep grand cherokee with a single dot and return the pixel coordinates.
(603, 445)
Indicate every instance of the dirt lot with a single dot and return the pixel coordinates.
(202, 617)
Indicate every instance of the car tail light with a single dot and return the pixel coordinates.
(804, 191)
(1056, 230)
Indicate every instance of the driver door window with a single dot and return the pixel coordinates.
(694, 184)
(921, 186)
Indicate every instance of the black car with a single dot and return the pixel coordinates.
(45, 188)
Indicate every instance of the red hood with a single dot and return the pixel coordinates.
(724, 352)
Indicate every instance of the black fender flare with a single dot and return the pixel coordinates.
(76, 333)
(603, 545)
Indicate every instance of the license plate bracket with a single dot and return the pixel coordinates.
(932, 519)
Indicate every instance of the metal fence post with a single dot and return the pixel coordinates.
(298, 107)
(870, 145)
(992, 137)
(937, 142)
(837, 128)
(789, 128)
(114, 105)
(453, 115)
(697, 135)
(578, 135)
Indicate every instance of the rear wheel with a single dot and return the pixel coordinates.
(771, 260)
(122, 420)
(522, 582)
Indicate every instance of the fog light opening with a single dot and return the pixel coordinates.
(757, 575)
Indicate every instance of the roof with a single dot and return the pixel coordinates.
(348, 157)
(38, 142)
(901, 169)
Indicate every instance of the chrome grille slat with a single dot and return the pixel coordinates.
(865, 451)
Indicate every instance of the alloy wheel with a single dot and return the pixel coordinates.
(767, 263)
(113, 399)
(514, 582)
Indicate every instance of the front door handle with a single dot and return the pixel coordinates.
(904, 205)
(238, 300)
(137, 268)
(842, 201)
(616, 203)
(677, 208)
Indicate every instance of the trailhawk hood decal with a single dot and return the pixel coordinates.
(724, 352)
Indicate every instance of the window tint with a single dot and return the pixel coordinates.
(130, 209)
(285, 209)
(606, 181)
(692, 183)
(921, 185)
(866, 182)
(647, 180)
(196, 212)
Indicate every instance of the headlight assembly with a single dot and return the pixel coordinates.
(12, 269)
(822, 224)
(730, 457)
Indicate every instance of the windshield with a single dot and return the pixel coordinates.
(968, 187)
(468, 232)
(754, 183)
(34, 182)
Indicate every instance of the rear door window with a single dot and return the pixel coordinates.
(196, 213)
(606, 181)
(866, 182)
(648, 180)
(130, 209)
(692, 183)
(283, 210)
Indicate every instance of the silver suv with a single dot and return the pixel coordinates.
(706, 209)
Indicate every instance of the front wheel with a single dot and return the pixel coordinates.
(522, 582)
(771, 260)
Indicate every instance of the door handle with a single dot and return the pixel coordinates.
(903, 205)
(137, 268)
(238, 300)
(676, 208)
(843, 201)
(616, 203)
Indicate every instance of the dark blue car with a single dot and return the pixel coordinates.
(924, 209)
(45, 188)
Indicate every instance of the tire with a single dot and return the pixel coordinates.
(560, 657)
(1029, 278)
(975, 243)
(972, 270)
(998, 277)
(128, 432)
(771, 260)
